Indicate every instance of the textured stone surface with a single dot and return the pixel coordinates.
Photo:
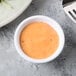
(12, 64)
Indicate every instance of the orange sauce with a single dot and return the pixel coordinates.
(39, 40)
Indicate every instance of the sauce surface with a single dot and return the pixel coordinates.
(39, 40)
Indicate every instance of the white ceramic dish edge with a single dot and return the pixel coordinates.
(10, 19)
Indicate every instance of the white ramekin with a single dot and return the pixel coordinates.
(53, 24)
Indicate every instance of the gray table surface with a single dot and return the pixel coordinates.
(12, 64)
